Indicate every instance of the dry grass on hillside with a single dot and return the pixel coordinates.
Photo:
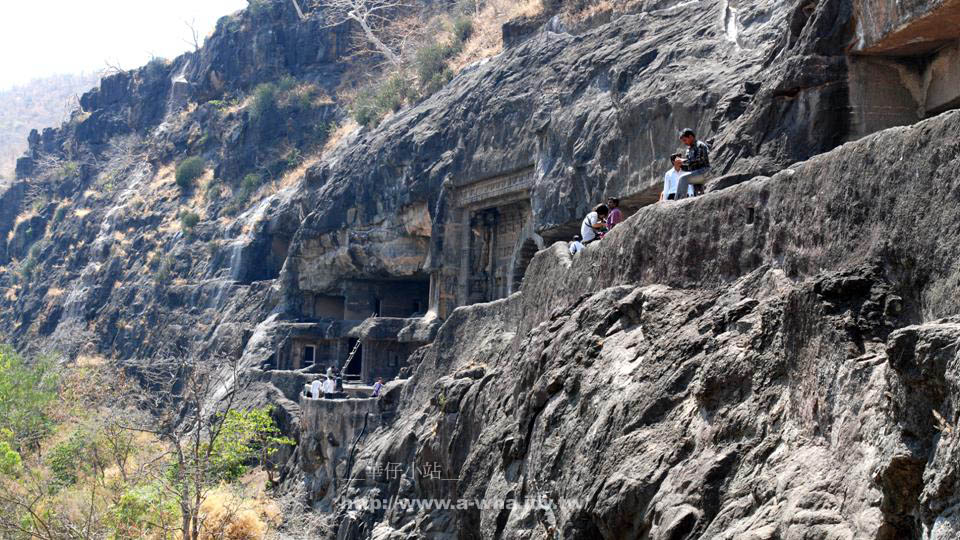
(590, 10)
(487, 37)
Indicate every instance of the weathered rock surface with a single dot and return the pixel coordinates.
(777, 359)
(810, 398)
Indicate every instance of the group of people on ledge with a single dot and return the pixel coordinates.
(687, 176)
(330, 386)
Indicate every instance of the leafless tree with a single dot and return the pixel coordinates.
(23, 515)
(371, 16)
(188, 401)
(194, 39)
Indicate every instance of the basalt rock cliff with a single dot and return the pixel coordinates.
(776, 359)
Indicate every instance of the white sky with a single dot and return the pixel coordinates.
(48, 37)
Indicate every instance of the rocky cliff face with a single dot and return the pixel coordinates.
(808, 398)
(763, 362)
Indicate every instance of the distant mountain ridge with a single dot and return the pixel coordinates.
(43, 102)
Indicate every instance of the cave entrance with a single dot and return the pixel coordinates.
(354, 367)
(904, 75)
(522, 260)
(309, 355)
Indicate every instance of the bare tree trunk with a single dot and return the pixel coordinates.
(372, 38)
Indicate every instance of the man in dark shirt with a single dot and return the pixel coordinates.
(696, 162)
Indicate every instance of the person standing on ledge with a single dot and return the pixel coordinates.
(696, 162)
(616, 216)
(378, 387)
(594, 223)
(328, 388)
(672, 178)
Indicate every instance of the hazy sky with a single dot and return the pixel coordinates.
(47, 37)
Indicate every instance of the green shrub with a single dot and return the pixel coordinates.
(29, 264)
(68, 169)
(65, 460)
(250, 184)
(372, 104)
(263, 107)
(60, 213)
(28, 391)
(189, 219)
(140, 508)
(189, 170)
(365, 109)
(462, 29)
(438, 81)
(164, 271)
(431, 60)
(286, 84)
(394, 93)
(9, 459)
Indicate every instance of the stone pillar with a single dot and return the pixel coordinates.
(491, 218)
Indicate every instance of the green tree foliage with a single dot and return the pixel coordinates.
(246, 436)
(26, 394)
(189, 170)
(10, 461)
(66, 460)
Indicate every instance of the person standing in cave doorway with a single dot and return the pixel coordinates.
(696, 162)
(594, 224)
(378, 387)
(615, 216)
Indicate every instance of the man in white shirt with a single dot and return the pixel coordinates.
(672, 179)
(594, 222)
(576, 246)
(329, 388)
(315, 389)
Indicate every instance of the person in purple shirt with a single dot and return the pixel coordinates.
(378, 387)
(615, 216)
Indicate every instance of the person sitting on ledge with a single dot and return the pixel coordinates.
(329, 389)
(616, 216)
(672, 178)
(594, 224)
(576, 246)
(378, 387)
(696, 162)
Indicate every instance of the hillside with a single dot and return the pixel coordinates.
(40, 103)
(773, 359)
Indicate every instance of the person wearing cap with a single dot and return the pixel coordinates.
(696, 162)
(672, 179)
(576, 246)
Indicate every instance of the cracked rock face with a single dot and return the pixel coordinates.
(772, 409)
